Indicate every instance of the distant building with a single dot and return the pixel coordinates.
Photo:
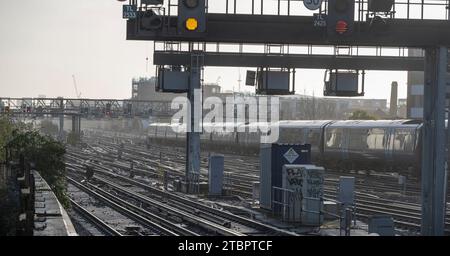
(303, 107)
(292, 107)
(211, 90)
(401, 108)
(145, 89)
(393, 103)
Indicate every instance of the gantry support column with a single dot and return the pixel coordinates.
(61, 120)
(194, 126)
(76, 125)
(433, 151)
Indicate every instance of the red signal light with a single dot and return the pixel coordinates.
(341, 27)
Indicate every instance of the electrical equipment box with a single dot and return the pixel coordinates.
(215, 170)
(382, 225)
(302, 200)
(342, 83)
(273, 82)
(346, 190)
(272, 159)
(172, 80)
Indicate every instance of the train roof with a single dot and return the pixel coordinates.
(304, 123)
(314, 123)
(159, 124)
(375, 123)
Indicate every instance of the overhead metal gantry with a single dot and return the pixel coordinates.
(263, 29)
(307, 61)
(401, 27)
(88, 108)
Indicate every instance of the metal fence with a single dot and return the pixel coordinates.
(402, 9)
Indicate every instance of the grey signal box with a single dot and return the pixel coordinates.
(342, 84)
(191, 9)
(273, 82)
(172, 81)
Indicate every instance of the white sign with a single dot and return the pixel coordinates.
(291, 155)
(129, 11)
(312, 4)
(320, 20)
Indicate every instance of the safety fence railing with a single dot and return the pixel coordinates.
(292, 207)
(401, 9)
(280, 49)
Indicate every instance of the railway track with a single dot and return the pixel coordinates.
(97, 222)
(179, 204)
(244, 172)
(129, 211)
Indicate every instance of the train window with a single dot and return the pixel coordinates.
(403, 140)
(152, 131)
(375, 138)
(334, 138)
(358, 139)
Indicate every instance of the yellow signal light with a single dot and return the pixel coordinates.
(191, 24)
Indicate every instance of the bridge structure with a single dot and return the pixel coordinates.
(83, 108)
(285, 25)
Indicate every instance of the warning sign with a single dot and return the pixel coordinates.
(291, 155)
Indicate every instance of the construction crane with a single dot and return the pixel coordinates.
(76, 88)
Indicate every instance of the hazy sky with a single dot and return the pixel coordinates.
(44, 42)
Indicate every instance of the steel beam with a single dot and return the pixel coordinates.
(293, 61)
(193, 133)
(263, 29)
(433, 151)
(67, 106)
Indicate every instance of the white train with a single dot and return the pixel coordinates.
(352, 144)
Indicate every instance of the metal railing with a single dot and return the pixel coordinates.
(402, 9)
(280, 49)
(288, 204)
(84, 107)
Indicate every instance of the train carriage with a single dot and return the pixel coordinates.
(352, 144)
(304, 132)
(383, 144)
